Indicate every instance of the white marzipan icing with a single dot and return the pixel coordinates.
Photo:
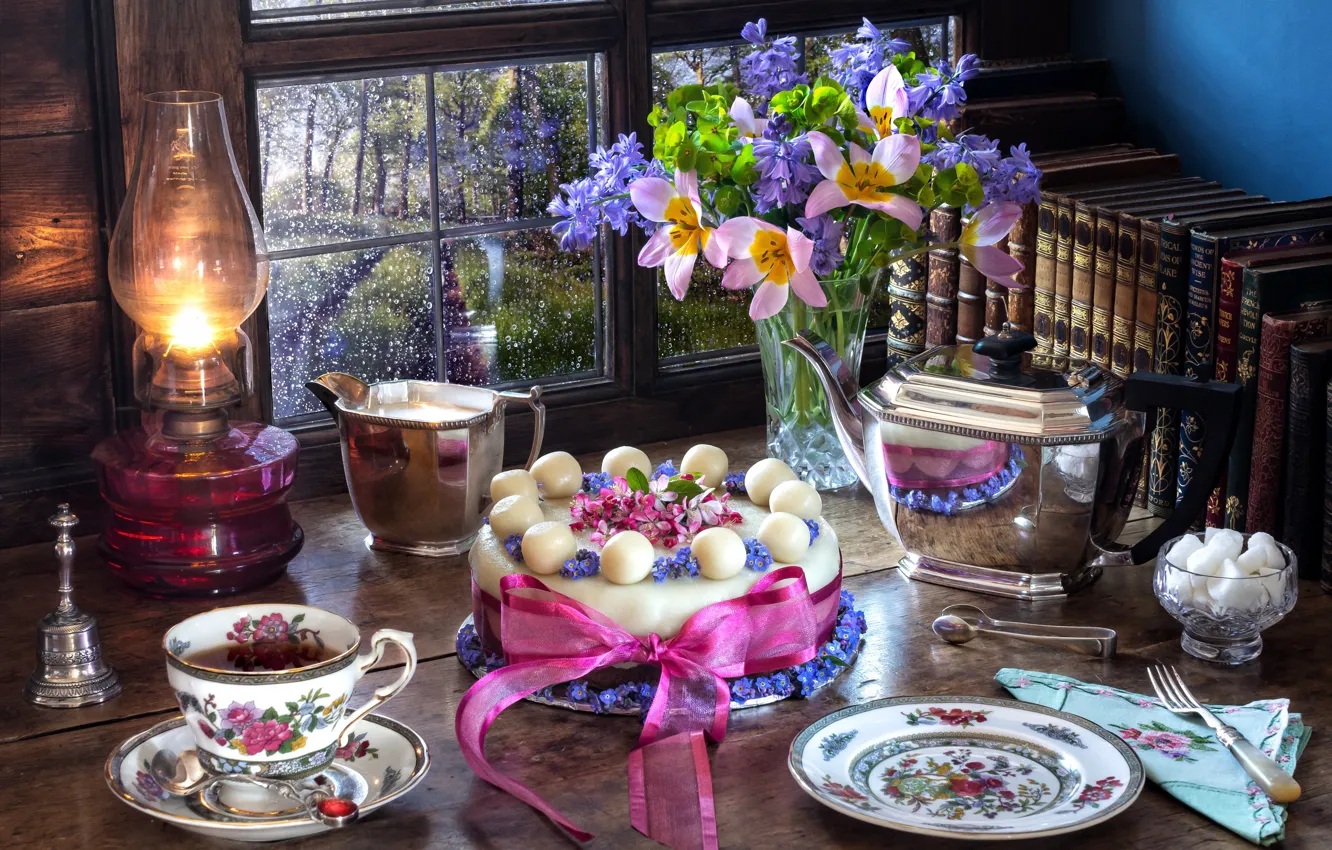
(650, 607)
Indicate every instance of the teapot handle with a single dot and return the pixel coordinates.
(1218, 404)
(533, 399)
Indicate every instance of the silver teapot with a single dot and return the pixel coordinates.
(1013, 473)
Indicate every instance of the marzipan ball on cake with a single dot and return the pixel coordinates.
(708, 464)
(546, 546)
(796, 497)
(764, 476)
(720, 553)
(559, 475)
(514, 515)
(618, 461)
(627, 558)
(786, 536)
(515, 482)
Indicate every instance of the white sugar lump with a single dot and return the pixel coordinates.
(1179, 584)
(1274, 586)
(1262, 538)
(1253, 562)
(1228, 542)
(1233, 590)
(1183, 548)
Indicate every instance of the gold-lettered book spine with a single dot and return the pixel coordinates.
(1149, 255)
(1043, 311)
(1063, 292)
(1104, 230)
(1084, 283)
(1126, 298)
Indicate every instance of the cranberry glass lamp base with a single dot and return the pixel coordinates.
(199, 520)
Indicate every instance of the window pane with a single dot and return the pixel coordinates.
(343, 161)
(516, 307)
(928, 41)
(702, 65)
(288, 11)
(708, 319)
(365, 312)
(508, 137)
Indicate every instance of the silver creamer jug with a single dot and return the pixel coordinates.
(419, 456)
(1013, 473)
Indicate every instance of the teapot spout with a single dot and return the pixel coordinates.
(332, 387)
(842, 391)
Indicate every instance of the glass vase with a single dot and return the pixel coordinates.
(800, 427)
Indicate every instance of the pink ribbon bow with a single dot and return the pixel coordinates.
(549, 638)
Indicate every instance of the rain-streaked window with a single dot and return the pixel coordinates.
(406, 219)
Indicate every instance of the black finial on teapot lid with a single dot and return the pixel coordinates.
(1005, 350)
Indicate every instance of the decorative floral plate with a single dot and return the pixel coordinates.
(633, 698)
(382, 761)
(966, 767)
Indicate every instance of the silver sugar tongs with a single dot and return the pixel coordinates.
(961, 623)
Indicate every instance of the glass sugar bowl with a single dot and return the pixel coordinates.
(1223, 595)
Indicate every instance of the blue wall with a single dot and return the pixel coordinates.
(1240, 89)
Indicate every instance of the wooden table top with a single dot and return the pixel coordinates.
(58, 798)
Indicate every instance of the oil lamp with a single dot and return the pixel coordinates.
(198, 503)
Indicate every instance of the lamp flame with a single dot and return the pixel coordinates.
(190, 329)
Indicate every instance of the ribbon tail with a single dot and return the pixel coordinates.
(482, 704)
(670, 792)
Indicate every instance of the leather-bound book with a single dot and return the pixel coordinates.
(1267, 445)
(1043, 296)
(1168, 229)
(970, 303)
(1209, 240)
(906, 303)
(996, 304)
(1121, 171)
(1075, 271)
(1326, 577)
(941, 294)
(1306, 416)
(1120, 227)
(1241, 304)
(1022, 247)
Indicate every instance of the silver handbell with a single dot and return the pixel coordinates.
(70, 669)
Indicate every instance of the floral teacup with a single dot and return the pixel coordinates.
(264, 688)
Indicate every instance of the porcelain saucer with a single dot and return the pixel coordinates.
(384, 760)
(966, 767)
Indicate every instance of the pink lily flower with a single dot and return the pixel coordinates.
(886, 101)
(743, 116)
(677, 244)
(865, 179)
(976, 243)
(765, 254)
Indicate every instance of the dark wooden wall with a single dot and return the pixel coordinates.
(55, 389)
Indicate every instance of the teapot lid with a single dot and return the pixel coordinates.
(998, 389)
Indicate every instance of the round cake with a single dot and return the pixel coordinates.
(648, 545)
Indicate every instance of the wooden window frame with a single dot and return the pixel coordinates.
(206, 44)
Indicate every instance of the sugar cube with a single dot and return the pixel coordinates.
(1183, 548)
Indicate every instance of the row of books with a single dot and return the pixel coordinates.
(1132, 266)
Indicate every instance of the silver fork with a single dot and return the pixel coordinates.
(1176, 696)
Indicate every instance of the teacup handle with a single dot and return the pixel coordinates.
(378, 642)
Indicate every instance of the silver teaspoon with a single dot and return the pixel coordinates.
(962, 623)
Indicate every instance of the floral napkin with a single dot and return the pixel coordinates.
(1179, 752)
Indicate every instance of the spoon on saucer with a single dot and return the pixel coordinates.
(183, 775)
(962, 623)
